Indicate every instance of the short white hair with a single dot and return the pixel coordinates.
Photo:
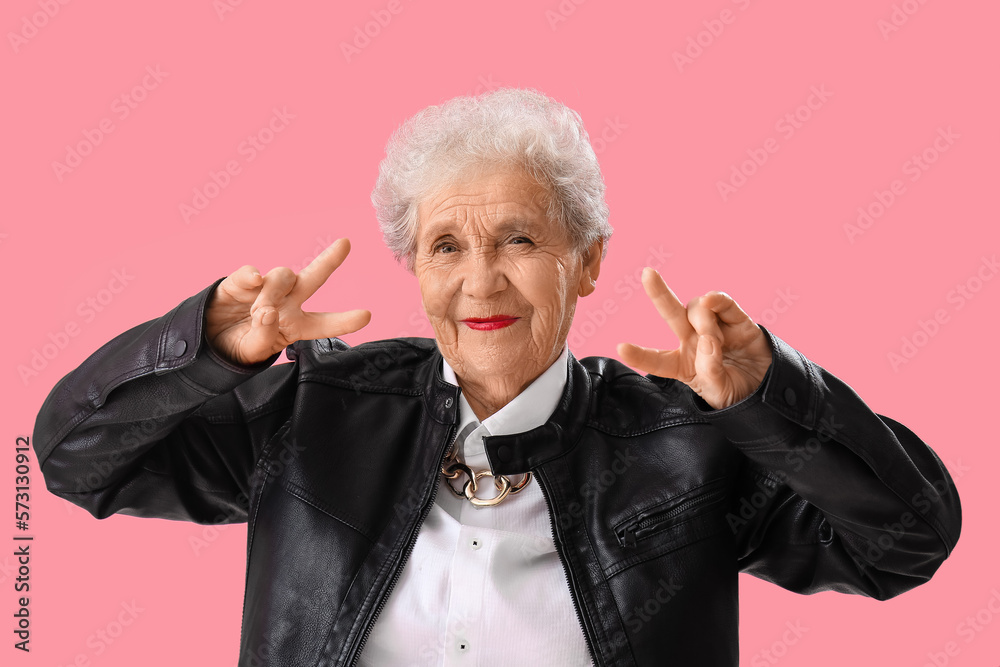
(503, 128)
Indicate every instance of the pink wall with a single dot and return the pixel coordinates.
(679, 98)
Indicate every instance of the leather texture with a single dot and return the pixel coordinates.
(657, 501)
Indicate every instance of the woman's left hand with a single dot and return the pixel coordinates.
(723, 355)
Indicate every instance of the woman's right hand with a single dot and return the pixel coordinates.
(250, 317)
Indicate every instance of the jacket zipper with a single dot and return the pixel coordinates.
(411, 540)
(629, 534)
(542, 482)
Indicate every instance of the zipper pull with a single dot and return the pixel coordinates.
(628, 535)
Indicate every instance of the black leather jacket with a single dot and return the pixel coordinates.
(657, 501)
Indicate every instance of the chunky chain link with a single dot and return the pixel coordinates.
(453, 469)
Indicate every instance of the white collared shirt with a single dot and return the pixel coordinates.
(485, 586)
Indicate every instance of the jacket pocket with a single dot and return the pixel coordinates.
(671, 513)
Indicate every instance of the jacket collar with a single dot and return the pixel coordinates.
(531, 408)
(516, 453)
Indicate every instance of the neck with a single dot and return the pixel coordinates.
(487, 393)
(487, 397)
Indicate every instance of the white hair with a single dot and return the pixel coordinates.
(503, 128)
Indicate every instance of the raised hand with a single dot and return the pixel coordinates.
(722, 356)
(250, 317)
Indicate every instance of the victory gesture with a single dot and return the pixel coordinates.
(250, 317)
(723, 355)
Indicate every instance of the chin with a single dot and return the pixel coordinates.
(497, 361)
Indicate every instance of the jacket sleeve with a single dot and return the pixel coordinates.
(155, 424)
(833, 496)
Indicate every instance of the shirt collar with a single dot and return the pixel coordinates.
(531, 408)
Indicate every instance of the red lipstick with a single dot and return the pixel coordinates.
(490, 323)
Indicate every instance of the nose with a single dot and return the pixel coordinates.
(483, 275)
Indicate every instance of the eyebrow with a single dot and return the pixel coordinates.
(506, 223)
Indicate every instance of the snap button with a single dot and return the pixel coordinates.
(790, 396)
(180, 347)
(505, 453)
(448, 402)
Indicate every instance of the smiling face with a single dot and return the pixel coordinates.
(499, 280)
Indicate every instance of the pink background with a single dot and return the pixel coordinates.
(669, 133)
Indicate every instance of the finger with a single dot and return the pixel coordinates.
(662, 363)
(704, 320)
(278, 282)
(726, 308)
(666, 303)
(332, 325)
(320, 269)
(708, 365)
(258, 342)
(247, 277)
(242, 284)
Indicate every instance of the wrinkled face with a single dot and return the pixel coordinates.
(499, 280)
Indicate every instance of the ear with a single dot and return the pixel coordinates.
(591, 268)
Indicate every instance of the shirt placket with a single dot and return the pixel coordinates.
(470, 567)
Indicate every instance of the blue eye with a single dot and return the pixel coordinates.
(520, 240)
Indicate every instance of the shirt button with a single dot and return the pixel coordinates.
(789, 396)
(463, 646)
(180, 347)
(475, 543)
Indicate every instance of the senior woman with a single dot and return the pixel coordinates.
(485, 497)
